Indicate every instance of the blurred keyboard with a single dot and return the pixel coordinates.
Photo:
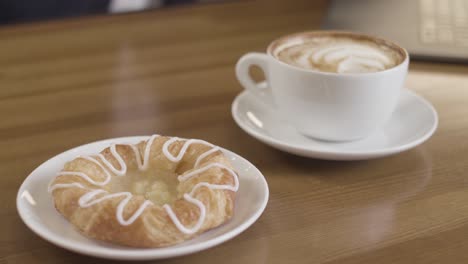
(444, 22)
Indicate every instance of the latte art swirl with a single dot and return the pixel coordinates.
(340, 55)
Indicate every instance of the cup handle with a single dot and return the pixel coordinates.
(261, 90)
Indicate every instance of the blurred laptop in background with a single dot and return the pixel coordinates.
(20, 11)
(428, 29)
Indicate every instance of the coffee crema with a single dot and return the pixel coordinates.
(337, 53)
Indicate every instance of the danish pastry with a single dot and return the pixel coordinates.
(156, 193)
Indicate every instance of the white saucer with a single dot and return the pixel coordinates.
(413, 122)
(35, 207)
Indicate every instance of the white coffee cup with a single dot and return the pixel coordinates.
(324, 105)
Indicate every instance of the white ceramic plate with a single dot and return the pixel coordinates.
(413, 122)
(35, 207)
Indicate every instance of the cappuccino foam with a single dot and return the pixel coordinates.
(339, 54)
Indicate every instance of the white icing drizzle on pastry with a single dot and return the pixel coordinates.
(93, 160)
(84, 176)
(182, 151)
(142, 165)
(89, 199)
(233, 188)
(51, 188)
(207, 167)
(176, 221)
(145, 162)
(198, 203)
(204, 155)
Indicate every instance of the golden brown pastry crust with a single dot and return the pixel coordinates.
(154, 227)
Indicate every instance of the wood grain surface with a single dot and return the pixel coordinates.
(171, 71)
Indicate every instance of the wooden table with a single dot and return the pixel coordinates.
(171, 72)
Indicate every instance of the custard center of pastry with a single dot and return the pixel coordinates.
(160, 187)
